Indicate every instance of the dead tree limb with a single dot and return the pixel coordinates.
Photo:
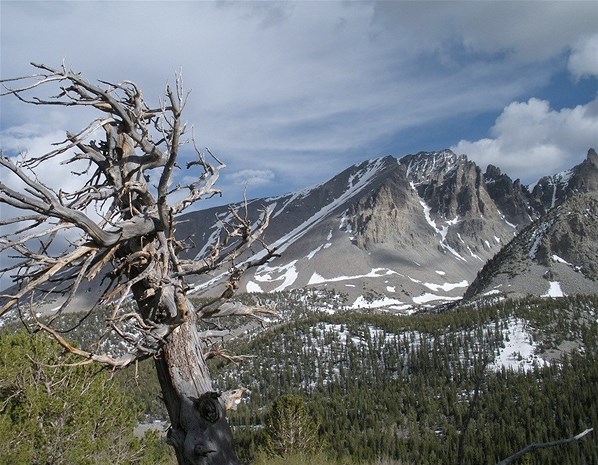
(126, 240)
(544, 445)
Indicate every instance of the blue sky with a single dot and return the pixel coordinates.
(288, 94)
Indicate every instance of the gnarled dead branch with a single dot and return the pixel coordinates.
(544, 445)
(126, 242)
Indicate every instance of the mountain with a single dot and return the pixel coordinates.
(550, 191)
(554, 256)
(414, 232)
(394, 233)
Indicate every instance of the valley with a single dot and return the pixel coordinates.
(423, 312)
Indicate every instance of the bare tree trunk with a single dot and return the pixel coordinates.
(130, 242)
(199, 431)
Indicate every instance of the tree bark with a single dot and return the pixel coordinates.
(199, 431)
(132, 243)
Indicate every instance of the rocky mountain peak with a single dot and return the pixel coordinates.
(592, 157)
(553, 256)
(423, 165)
(450, 184)
(396, 233)
(511, 197)
(492, 172)
(585, 175)
(550, 191)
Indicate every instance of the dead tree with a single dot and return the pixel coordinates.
(544, 445)
(126, 240)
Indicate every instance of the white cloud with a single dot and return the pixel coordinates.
(583, 61)
(522, 31)
(252, 177)
(33, 140)
(278, 83)
(530, 139)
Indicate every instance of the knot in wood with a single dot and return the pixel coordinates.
(208, 406)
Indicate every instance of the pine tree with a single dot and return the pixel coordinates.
(290, 429)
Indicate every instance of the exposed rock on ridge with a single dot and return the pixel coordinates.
(555, 255)
(550, 191)
(397, 233)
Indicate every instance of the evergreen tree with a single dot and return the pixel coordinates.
(59, 414)
(290, 429)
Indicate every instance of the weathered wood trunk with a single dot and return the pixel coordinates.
(132, 243)
(199, 431)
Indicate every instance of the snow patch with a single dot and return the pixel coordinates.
(554, 290)
(492, 292)
(288, 275)
(362, 302)
(558, 259)
(316, 278)
(519, 350)
(446, 286)
(427, 297)
(253, 287)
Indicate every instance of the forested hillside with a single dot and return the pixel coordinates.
(468, 385)
(503, 375)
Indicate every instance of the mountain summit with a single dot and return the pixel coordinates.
(395, 233)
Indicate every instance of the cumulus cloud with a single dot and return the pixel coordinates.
(583, 61)
(530, 139)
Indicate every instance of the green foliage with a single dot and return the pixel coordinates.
(381, 389)
(59, 414)
(402, 387)
(290, 429)
(297, 458)
(142, 384)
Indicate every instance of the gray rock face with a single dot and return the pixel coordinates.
(402, 233)
(555, 255)
(550, 191)
(511, 198)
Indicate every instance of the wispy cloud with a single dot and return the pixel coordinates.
(304, 89)
(252, 177)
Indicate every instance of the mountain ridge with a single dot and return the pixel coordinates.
(404, 234)
(397, 233)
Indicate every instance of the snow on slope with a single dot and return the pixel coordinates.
(442, 231)
(363, 179)
(554, 290)
(264, 273)
(537, 238)
(519, 350)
